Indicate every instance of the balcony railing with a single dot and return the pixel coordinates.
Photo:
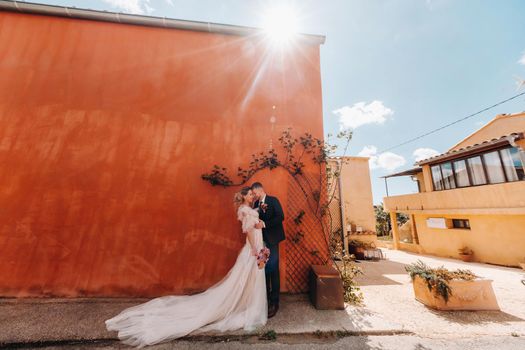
(497, 196)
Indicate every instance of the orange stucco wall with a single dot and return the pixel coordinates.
(421, 182)
(105, 130)
(357, 193)
(501, 125)
(495, 239)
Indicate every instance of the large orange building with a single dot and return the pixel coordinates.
(107, 122)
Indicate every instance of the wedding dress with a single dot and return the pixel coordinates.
(237, 301)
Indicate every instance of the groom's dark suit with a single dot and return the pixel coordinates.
(273, 233)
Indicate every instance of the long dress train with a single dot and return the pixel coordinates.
(238, 301)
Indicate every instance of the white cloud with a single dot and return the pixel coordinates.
(424, 153)
(368, 151)
(522, 59)
(131, 6)
(390, 161)
(387, 160)
(362, 113)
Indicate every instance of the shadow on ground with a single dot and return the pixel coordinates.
(376, 272)
(476, 317)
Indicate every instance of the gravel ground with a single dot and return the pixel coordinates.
(388, 292)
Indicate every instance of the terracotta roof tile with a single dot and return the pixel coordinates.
(477, 146)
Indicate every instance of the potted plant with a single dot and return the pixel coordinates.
(466, 254)
(358, 248)
(443, 289)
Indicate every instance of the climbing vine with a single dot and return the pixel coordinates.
(318, 192)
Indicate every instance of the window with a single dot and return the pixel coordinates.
(460, 168)
(477, 173)
(436, 177)
(512, 164)
(448, 176)
(494, 167)
(502, 165)
(461, 223)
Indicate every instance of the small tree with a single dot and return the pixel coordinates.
(402, 218)
(383, 224)
(382, 220)
(318, 192)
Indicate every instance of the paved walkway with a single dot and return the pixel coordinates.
(399, 342)
(388, 292)
(62, 320)
(390, 309)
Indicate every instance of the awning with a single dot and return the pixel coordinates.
(408, 172)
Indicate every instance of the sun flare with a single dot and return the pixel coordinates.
(280, 24)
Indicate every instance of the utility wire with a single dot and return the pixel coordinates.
(450, 124)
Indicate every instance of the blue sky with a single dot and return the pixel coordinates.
(391, 69)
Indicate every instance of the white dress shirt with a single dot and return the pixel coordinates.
(261, 201)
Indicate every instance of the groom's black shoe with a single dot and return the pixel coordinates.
(272, 310)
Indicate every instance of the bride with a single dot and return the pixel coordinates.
(237, 301)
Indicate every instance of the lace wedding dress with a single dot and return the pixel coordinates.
(237, 301)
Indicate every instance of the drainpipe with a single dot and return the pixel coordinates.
(342, 206)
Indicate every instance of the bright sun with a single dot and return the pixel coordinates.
(280, 24)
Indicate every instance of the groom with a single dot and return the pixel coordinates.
(271, 213)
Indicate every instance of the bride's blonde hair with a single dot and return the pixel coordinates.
(238, 198)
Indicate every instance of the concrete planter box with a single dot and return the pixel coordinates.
(466, 295)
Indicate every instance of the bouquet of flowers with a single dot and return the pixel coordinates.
(262, 257)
